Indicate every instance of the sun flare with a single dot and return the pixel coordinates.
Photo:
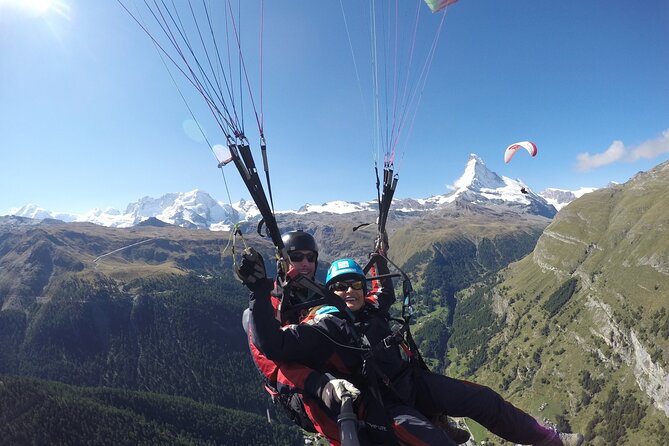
(40, 7)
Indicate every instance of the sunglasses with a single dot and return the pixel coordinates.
(299, 256)
(344, 286)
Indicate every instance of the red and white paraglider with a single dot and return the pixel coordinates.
(511, 150)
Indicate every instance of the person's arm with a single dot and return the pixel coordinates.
(292, 343)
(297, 377)
(382, 289)
(288, 377)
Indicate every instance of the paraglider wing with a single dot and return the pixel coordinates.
(511, 150)
(438, 5)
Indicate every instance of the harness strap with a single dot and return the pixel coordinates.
(416, 356)
(396, 338)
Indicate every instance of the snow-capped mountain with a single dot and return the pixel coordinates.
(480, 185)
(338, 207)
(197, 209)
(559, 198)
(38, 213)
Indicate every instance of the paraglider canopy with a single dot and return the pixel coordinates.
(511, 150)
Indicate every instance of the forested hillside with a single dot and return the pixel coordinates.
(178, 335)
(42, 412)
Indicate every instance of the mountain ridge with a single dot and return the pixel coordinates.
(197, 209)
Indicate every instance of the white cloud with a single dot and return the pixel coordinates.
(651, 149)
(617, 152)
(587, 162)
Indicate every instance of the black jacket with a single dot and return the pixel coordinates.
(326, 343)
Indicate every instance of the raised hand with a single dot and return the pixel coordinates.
(252, 268)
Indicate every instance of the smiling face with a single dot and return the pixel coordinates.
(304, 262)
(352, 291)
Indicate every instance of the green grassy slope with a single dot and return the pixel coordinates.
(584, 323)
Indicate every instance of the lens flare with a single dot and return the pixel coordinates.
(193, 130)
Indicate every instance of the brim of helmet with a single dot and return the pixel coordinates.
(346, 276)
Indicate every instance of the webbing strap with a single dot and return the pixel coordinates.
(243, 160)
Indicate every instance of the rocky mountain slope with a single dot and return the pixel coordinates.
(559, 198)
(580, 327)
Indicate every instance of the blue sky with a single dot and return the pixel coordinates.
(89, 116)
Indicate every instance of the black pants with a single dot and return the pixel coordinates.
(437, 393)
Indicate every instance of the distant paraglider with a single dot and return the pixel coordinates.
(511, 150)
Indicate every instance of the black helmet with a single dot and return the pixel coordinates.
(299, 241)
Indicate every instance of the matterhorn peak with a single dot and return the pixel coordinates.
(480, 185)
(477, 176)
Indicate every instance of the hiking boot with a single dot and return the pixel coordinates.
(562, 439)
(451, 428)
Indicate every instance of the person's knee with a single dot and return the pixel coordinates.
(415, 431)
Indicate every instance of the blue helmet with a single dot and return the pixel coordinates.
(341, 268)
